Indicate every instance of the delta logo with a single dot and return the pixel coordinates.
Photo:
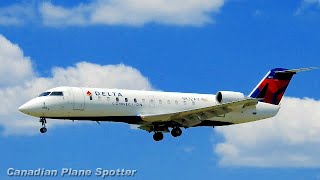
(89, 94)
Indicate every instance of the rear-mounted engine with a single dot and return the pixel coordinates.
(228, 96)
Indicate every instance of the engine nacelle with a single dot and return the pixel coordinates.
(228, 96)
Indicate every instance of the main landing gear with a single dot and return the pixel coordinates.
(43, 123)
(158, 136)
(175, 132)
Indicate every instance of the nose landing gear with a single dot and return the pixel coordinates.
(43, 123)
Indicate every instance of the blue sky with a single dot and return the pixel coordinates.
(232, 51)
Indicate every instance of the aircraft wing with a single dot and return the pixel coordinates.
(193, 117)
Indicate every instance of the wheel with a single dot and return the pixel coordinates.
(158, 136)
(176, 131)
(43, 130)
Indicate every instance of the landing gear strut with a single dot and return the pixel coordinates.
(176, 131)
(158, 136)
(43, 123)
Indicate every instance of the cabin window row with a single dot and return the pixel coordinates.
(151, 101)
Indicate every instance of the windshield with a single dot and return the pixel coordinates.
(44, 94)
(56, 94)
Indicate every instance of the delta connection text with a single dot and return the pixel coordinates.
(70, 172)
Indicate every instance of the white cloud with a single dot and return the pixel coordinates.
(12, 61)
(132, 12)
(189, 149)
(20, 84)
(258, 12)
(312, 1)
(290, 139)
(113, 12)
(16, 14)
(306, 5)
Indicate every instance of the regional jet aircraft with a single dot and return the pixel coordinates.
(160, 112)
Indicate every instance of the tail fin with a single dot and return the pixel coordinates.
(272, 87)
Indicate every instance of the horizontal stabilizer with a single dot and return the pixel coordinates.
(296, 70)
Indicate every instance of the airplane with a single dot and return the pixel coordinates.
(160, 112)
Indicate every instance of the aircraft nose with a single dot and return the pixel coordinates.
(26, 108)
(31, 108)
(23, 108)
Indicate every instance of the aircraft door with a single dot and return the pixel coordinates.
(78, 98)
(68, 100)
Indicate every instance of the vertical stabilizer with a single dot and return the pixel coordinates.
(273, 86)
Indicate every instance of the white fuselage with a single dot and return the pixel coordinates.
(104, 104)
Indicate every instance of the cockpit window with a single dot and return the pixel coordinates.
(44, 94)
(56, 94)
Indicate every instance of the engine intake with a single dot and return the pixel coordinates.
(228, 96)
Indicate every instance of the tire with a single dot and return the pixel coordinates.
(43, 130)
(158, 136)
(176, 131)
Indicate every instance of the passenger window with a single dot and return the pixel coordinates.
(176, 102)
(108, 98)
(193, 103)
(44, 94)
(143, 100)
(185, 102)
(56, 94)
(160, 101)
(168, 102)
(135, 100)
(126, 99)
(117, 99)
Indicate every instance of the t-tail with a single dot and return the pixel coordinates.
(273, 86)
